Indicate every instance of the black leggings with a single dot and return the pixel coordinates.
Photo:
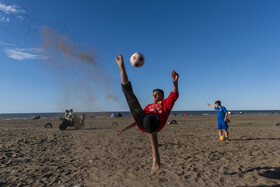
(148, 122)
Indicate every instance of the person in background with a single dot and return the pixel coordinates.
(70, 115)
(222, 117)
(66, 114)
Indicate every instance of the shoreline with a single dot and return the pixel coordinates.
(24, 116)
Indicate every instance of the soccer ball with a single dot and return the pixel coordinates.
(137, 60)
(222, 138)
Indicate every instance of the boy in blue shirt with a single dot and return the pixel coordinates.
(222, 116)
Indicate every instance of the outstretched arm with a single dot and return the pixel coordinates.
(120, 62)
(133, 124)
(175, 77)
(211, 106)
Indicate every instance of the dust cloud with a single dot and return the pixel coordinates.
(79, 72)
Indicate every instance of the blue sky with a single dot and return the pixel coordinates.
(226, 50)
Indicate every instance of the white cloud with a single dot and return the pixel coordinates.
(10, 9)
(5, 43)
(25, 54)
(4, 19)
(20, 17)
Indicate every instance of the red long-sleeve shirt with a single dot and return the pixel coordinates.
(162, 109)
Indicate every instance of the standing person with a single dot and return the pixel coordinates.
(153, 118)
(222, 116)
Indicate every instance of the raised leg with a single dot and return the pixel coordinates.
(120, 62)
(132, 101)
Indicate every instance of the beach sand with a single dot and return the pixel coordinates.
(191, 153)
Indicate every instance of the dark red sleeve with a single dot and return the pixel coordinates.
(172, 98)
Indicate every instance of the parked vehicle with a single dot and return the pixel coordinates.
(76, 122)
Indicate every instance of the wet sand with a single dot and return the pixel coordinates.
(191, 153)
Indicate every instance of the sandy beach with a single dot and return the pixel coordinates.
(191, 153)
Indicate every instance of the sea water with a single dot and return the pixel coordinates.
(127, 114)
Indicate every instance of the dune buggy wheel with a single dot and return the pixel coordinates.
(173, 122)
(62, 126)
(48, 125)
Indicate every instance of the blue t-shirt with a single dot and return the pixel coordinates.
(221, 112)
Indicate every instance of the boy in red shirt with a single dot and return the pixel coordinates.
(153, 118)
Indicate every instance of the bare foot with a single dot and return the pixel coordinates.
(156, 167)
(119, 60)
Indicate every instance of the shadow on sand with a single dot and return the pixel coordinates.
(91, 129)
(267, 172)
(248, 139)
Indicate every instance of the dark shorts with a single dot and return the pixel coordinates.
(148, 122)
(151, 123)
(222, 125)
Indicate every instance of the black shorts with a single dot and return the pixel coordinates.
(148, 122)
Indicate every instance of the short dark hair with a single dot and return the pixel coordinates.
(218, 103)
(159, 90)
